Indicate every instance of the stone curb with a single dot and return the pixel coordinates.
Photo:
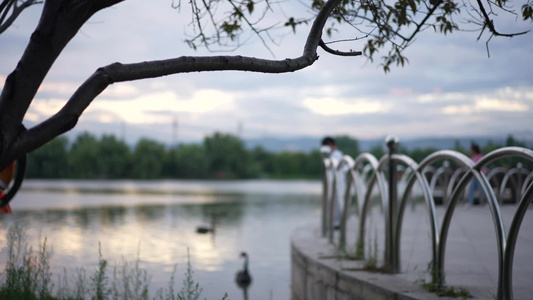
(319, 274)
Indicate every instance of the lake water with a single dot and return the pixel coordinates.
(156, 222)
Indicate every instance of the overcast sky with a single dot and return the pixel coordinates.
(449, 88)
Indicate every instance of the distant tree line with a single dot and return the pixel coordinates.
(218, 156)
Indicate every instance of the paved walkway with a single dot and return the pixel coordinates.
(471, 255)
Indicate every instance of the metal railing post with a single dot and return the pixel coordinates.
(325, 192)
(392, 260)
(393, 209)
(326, 163)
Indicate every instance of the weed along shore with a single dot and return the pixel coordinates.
(27, 275)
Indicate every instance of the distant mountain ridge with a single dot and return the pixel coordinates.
(306, 144)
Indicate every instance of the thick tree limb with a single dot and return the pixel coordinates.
(59, 22)
(67, 117)
(25, 141)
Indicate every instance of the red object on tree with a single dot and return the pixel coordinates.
(7, 208)
(6, 176)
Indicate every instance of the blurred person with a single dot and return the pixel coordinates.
(334, 152)
(336, 155)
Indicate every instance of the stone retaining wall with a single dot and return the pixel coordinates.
(319, 274)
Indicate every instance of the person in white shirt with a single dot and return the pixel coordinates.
(334, 152)
(336, 155)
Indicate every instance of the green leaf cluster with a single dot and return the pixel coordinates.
(527, 11)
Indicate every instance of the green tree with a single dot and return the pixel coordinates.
(489, 147)
(418, 154)
(264, 161)
(288, 164)
(459, 148)
(147, 160)
(378, 151)
(187, 161)
(312, 165)
(83, 157)
(114, 157)
(511, 141)
(49, 161)
(509, 162)
(347, 145)
(170, 163)
(227, 156)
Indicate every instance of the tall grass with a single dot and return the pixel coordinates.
(27, 276)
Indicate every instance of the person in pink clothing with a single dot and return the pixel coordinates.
(475, 155)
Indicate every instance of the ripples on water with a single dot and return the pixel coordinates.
(158, 220)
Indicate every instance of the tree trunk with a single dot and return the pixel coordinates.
(60, 21)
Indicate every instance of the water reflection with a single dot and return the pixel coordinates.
(113, 217)
(160, 229)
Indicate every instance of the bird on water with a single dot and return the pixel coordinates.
(207, 229)
(243, 277)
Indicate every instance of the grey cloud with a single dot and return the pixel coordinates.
(271, 104)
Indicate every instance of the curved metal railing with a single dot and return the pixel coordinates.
(364, 174)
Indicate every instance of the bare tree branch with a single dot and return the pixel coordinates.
(11, 9)
(337, 52)
(27, 140)
(490, 24)
(251, 26)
